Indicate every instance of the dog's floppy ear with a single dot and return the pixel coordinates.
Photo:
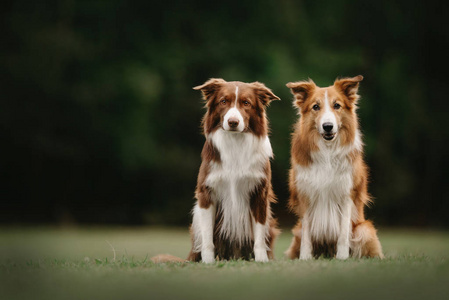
(349, 87)
(264, 94)
(210, 88)
(301, 90)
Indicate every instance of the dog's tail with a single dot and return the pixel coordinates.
(167, 258)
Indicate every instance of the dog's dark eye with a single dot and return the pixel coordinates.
(246, 103)
(223, 102)
(316, 107)
(337, 106)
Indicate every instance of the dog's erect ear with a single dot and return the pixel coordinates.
(301, 90)
(264, 94)
(349, 87)
(210, 87)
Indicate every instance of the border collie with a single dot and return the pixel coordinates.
(232, 217)
(328, 176)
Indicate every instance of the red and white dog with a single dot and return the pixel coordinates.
(328, 176)
(232, 216)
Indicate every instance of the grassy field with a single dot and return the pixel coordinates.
(113, 263)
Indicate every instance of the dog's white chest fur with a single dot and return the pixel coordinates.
(327, 182)
(242, 167)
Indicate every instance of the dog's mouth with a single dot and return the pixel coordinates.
(328, 136)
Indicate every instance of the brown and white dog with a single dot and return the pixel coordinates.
(328, 176)
(232, 216)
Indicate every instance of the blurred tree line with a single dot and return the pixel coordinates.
(99, 124)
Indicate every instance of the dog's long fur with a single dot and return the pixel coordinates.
(232, 216)
(328, 176)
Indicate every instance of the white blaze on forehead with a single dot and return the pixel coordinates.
(236, 95)
(328, 115)
(233, 112)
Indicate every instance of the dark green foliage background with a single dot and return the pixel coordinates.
(99, 122)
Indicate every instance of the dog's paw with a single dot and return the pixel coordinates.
(260, 255)
(342, 254)
(305, 256)
(207, 256)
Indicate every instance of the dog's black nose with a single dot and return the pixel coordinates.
(328, 127)
(233, 122)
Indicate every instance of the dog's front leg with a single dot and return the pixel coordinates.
(306, 249)
(259, 209)
(260, 245)
(207, 221)
(345, 231)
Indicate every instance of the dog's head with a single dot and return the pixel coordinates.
(235, 106)
(329, 111)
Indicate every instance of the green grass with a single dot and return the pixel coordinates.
(49, 263)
